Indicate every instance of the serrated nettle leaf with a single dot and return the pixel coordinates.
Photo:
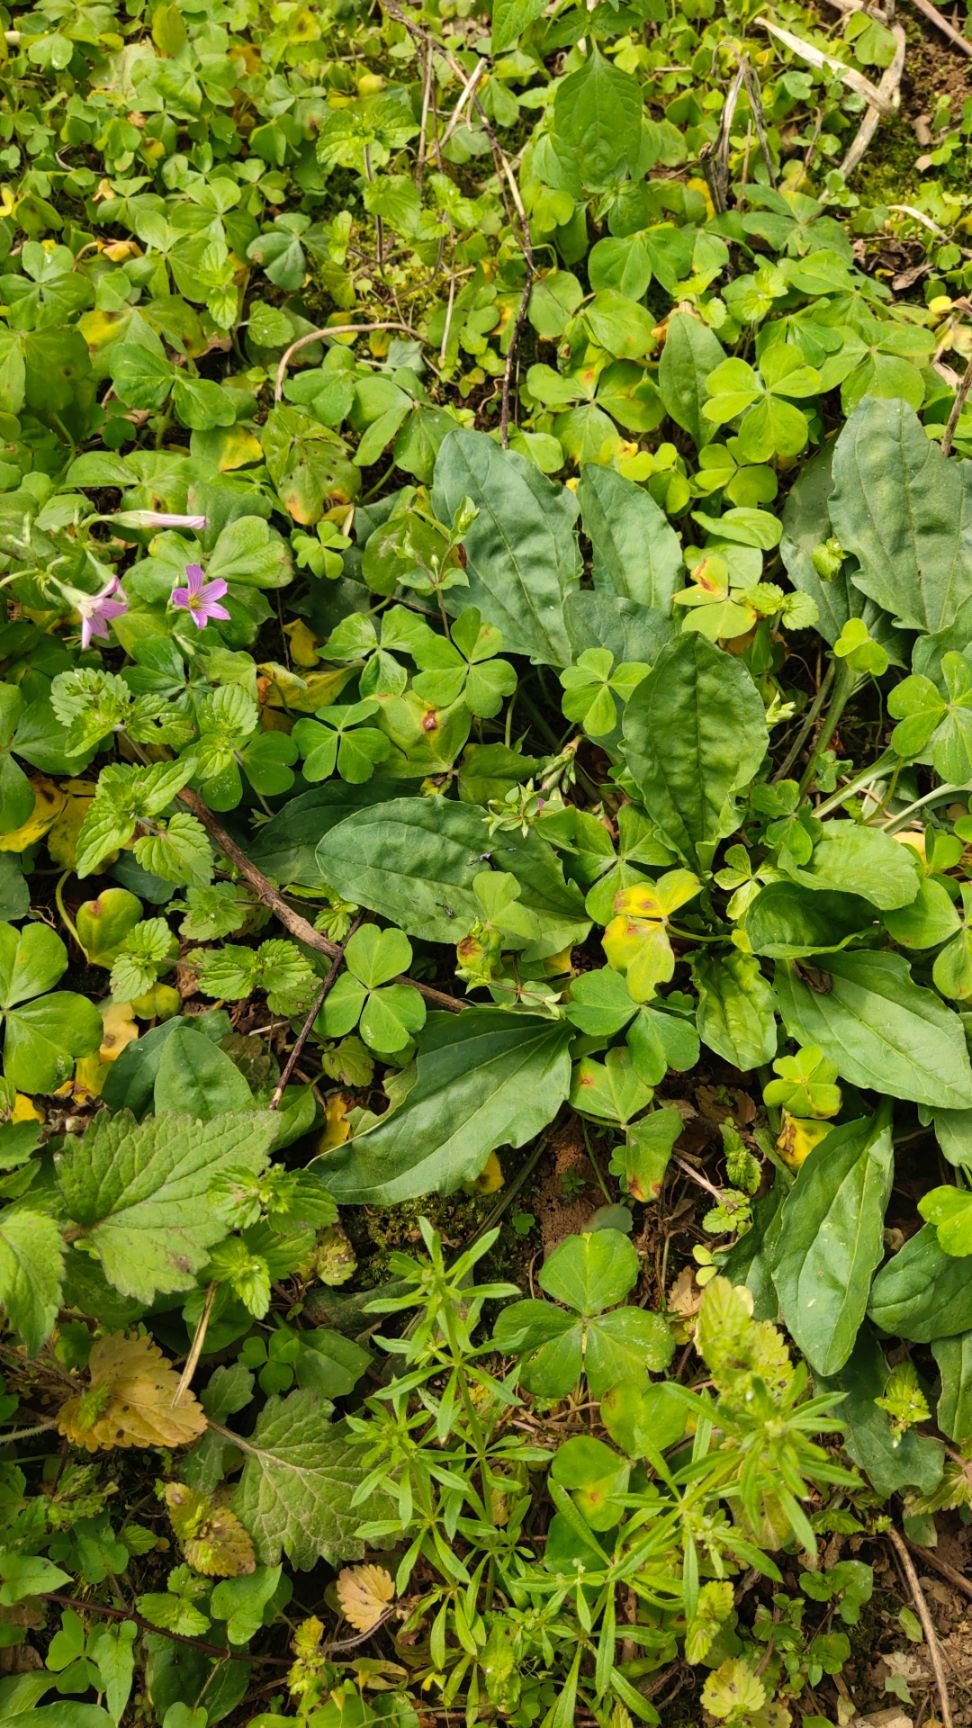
(31, 1270)
(140, 1193)
(299, 1475)
(831, 1239)
(737, 1013)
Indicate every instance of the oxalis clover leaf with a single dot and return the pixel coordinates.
(587, 1275)
(386, 1014)
(44, 1030)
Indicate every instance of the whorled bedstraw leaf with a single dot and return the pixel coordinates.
(299, 1475)
(130, 1399)
(140, 1192)
(364, 1593)
(211, 1536)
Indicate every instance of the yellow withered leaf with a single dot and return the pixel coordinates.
(212, 1538)
(798, 1137)
(129, 1400)
(49, 801)
(364, 1593)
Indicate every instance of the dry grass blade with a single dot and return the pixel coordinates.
(827, 62)
(889, 87)
(941, 23)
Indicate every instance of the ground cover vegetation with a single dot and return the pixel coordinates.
(485, 863)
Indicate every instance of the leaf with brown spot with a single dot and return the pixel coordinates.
(129, 1400)
(213, 1539)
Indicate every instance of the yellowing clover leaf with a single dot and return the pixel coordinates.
(636, 940)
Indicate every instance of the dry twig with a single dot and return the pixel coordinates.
(961, 397)
(889, 88)
(827, 62)
(295, 922)
(927, 1625)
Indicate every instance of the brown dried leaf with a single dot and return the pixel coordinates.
(129, 1400)
(364, 1593)
(213, 1539)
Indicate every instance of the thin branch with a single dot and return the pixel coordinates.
(315, 1009)
(329, 330)
(295, 922)
(147, 1626)
(961, 396)
(465, 96)
(927, 1625)
(930, 1558)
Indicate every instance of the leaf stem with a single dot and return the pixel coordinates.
(904, 816)
(809, 721)
(861, 779)
(845, 683)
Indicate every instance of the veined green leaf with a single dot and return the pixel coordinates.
(880, 1028)
(831, 1238)
(694, 734)
(482, 1079)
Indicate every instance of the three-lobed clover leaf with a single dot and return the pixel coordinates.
(805, 1085)
(636, 940)
(935, 722)
(45, 1030)
(762, 401)
(587, 1275)
(590, 688)
(465, 668)
(386, 1014)
(337, 740)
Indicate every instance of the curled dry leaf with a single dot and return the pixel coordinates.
(364, 1593)
(129, 1399)
(213, 1539)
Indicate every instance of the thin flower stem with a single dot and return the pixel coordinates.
(845, 683)
(809, 722)
(903, 817)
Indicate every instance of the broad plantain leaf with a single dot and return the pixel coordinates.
(694, 733)
(414, 860)
(905, 511)
(832, 1237)
(922, 1293)
(522, 553)
(637, 554)
(880, 1028)
(482, 1079)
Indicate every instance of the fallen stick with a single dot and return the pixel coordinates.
(827, 63)
(933, 15)
(299, 926)
(889, 88)
(927, 1624)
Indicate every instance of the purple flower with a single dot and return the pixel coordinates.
(199, 598)
(157, 519)
(97, 610)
